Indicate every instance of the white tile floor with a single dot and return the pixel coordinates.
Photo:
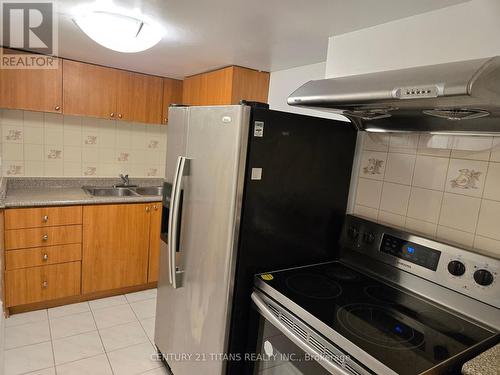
(109, 336)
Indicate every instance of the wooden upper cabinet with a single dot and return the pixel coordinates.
(139, 97)
(250, 85)
(172, 94)
(212, 88)
(89, 90)
(32, 89)
(226, 86)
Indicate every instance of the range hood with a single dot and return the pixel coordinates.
(451, 98)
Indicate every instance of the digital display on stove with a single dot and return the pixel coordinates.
(411, 252)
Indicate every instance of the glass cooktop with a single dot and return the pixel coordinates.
(404, 332)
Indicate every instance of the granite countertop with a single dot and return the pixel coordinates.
(32, 192)
(486, 363)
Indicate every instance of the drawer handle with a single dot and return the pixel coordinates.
(45, 284)
(45, 237)
(45, 218)
(148, 209)
(45, 257)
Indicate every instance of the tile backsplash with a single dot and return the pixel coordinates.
(443, 187)
(47, 144)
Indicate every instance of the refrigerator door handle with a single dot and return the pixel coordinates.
(171, 216)
(268, 315)
(175, 274)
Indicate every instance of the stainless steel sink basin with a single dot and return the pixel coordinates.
(109, 191)
(149, 190)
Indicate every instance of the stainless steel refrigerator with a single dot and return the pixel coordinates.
(249, 190)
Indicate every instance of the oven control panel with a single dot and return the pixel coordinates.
(410, 251)
(466, 272)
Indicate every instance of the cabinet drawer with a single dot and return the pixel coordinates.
(36, 284)
(18, 218)
(40, 256)
(37, 237)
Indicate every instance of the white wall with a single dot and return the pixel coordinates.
(284, 82)
(461, 32)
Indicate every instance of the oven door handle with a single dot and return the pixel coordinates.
(266, 313)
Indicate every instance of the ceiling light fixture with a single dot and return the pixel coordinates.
(117, 28)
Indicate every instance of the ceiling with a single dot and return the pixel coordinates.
(262, 34)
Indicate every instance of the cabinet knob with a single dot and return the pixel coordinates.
(165, 120)
(57, 107)
(155, 207)
(45, 284)
(112, 114)
(45, 218)
(120, 115)
(45, 257)
(148, 209)
(45, 237)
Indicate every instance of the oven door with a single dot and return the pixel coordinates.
(285, 348)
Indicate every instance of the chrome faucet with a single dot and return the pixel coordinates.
(125, 182)
(125, 179)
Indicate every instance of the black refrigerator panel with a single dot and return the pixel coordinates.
(296, 189)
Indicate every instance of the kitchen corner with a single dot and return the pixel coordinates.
(60, 232)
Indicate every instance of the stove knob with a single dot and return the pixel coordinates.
(368, 237)
(483, 277)
(353, 232)
(456, 268)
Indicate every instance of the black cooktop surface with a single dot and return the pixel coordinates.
(404, 332)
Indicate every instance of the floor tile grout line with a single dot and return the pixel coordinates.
(102, 343)
(51, 342)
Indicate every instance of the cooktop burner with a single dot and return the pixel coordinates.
(366, 321)
(339, 272)
(399, 329)
(383, 294)
(313, 286)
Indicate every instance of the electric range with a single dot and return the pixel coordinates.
(394, 303)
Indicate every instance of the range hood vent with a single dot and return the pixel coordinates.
(458, 97)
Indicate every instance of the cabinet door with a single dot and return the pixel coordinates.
(139, 97)
(250, 85)
(172, 94)
(32, 89)
(36, 284)
(115, 246)
(212, 88)
(154, 242)
(89, 90)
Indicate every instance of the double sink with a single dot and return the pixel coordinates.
(123, 191)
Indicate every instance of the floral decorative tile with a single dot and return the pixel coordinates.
(466, 177)
(13, 135)
(54, 154)
(91, 140)
(14, 170)
(90, 171)
(123, 156)
(374, 166)
(151, 172)
(153, 143)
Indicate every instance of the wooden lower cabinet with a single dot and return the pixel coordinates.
(41, 256)
(36, 284)
(36, 237)
(115, 246)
